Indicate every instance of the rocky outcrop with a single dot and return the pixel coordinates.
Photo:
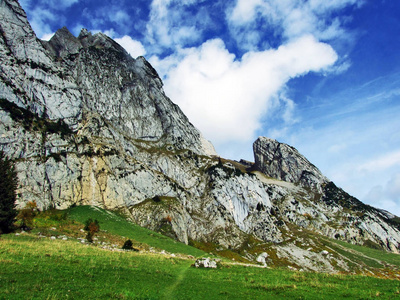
(88, 124)
(284, 162)
(317, 203)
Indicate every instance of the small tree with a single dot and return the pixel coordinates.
(91, 227)
(8, 187)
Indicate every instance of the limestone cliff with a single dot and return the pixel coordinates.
(88, 124)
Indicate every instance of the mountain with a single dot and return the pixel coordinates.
(87, 124)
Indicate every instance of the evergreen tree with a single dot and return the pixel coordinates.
(8, 187)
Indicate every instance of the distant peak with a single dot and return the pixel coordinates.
(284, 162)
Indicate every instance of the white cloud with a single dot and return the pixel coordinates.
(171, 26)
(290, 18)
(47, 36)
(134, 48)
(226, 97)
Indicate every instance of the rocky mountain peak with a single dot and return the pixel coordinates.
(284, 162)
(64, 43)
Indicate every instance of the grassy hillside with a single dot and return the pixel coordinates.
(377, 262)
(54, 262)
(118, 225)
(41, 268)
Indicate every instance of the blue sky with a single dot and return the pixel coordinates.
(322, 76)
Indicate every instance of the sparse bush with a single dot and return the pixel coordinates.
(128, 245)
(27, 214)
(92, 227)
(8, 187)
(157, 199)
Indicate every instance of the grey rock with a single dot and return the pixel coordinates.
(261, 258)
(205, 263)
(284, 162)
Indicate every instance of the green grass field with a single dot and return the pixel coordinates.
(36, 267)
(41, 268)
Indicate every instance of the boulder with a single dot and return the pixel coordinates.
(206, 263)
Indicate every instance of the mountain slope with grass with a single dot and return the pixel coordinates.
(65, 267)
(86, 124)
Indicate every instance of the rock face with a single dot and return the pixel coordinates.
(88, 124)
(284, 162)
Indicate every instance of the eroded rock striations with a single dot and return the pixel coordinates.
(88, 124)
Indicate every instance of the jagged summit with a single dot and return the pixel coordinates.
(88, 124)
(64, 43)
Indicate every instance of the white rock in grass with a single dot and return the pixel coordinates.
(262, 257)
(205, 263)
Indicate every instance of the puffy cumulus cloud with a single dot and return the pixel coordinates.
(134, 48)
(226, 97)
